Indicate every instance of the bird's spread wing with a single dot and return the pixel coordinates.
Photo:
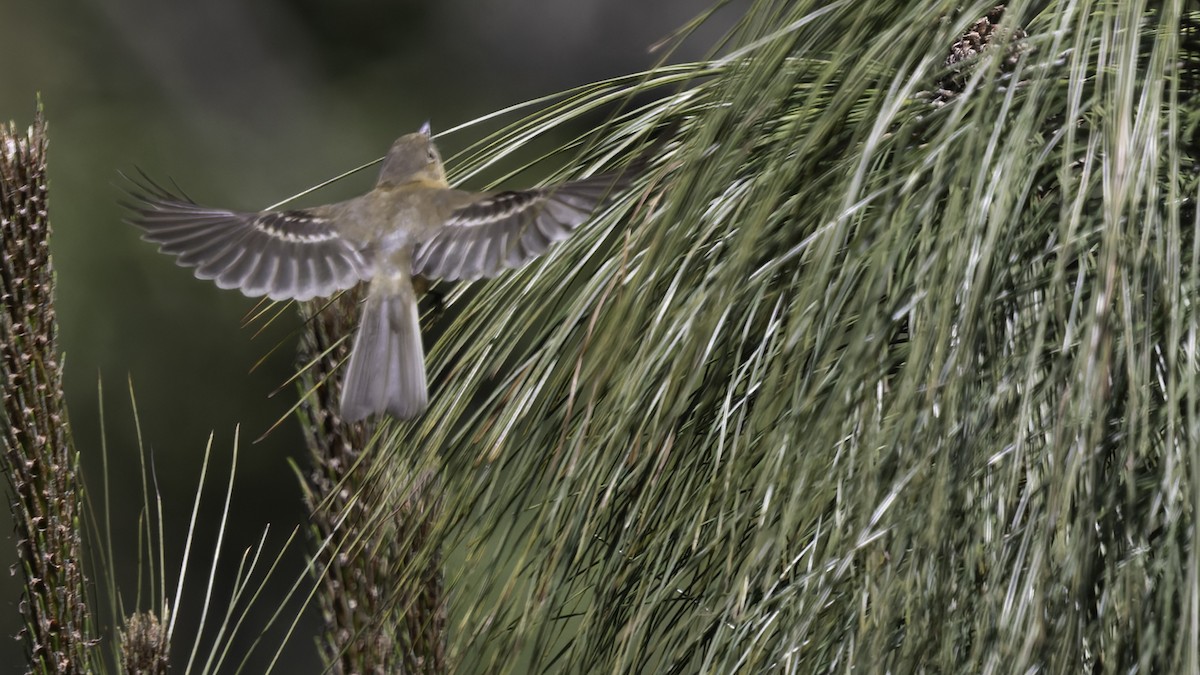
(280, 254)
(508, 229)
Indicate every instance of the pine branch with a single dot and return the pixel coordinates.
(38, 461)
(381, 597)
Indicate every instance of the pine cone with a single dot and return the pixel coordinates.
(984, 32)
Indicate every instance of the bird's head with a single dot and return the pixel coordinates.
(413, 158)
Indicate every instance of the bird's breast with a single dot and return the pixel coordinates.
(414, 213)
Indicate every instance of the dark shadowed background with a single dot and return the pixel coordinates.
(244, 104)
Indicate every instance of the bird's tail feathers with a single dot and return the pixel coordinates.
(387, 364)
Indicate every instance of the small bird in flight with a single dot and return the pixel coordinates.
(411, 223)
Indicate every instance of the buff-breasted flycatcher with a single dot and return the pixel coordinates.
(411, 223)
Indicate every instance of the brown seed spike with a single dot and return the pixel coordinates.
(37, 458)
(144, 645)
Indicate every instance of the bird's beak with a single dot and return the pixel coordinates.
(426, 130)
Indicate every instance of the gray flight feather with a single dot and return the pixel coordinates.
(387, 365)
(508, 229)
(280, 254)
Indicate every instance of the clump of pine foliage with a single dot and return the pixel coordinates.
(885, 362)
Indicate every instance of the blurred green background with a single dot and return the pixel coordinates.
(244, 104)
